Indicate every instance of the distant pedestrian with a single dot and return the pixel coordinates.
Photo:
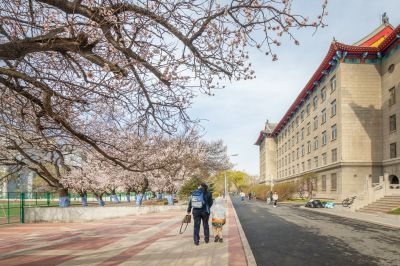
(275, 198)
(269, 197)
(249, 195)
(201, 202)
(242, 195)
(218, 219)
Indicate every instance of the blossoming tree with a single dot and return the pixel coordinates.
(78, 71)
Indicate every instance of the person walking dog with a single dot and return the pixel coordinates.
(275, 198)
(218, 219)
(201, 202)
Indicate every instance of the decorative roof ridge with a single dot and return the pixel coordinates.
(260, 138)
(379, 29)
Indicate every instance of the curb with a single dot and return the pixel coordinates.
(251, 261)
(353, 218)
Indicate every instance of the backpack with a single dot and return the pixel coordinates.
(198, 199)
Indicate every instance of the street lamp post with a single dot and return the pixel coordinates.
(225, 182)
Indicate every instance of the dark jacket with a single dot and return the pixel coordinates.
(208, 200)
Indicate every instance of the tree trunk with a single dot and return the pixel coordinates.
(84, 198)
(63, 197)
(99, 198)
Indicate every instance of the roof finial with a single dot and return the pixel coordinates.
(385, 18)
(267, 128)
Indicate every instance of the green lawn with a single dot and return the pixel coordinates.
(14, 209)
(395, 211)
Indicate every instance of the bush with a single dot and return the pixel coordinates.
(285, 190)
(261, 191)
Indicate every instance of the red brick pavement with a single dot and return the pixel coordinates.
(237, 256)
(56, 243)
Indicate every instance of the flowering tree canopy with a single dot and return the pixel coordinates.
(75, 72)
(179, 160)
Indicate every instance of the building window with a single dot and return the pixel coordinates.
(323, 94)
(315, 143)
(315, 122)
(393, 152)
(309, 147)
(392, 122)
(334, 155)
(334, 132)
(392, 96)
(309, 164)
(315, 183)
(302, 150)
(298, 153)
(303, 166)
(333, 108)
(297, 120)
(316, 161)
(315, 102)
(324, 158)
(323, 182)
(297, 137)
(308, 108)
(302, 115)
(333, 182)
(302, 133)
(333, 84)
(308, 128)
(324, 138)
(323, 116)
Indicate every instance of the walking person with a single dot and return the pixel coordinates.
(201, 202)
(269, 197)
(242, 195)
(275, 198)
(218, 219)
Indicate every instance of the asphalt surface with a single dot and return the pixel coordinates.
(288, 235)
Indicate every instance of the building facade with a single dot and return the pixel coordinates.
(343, 127)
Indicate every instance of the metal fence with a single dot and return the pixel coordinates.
(12, 204)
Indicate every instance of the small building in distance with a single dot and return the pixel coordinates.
(267, 153)
(343, 126)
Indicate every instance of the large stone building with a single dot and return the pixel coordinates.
(343, 127)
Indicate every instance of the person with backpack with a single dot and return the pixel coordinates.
(201, 202)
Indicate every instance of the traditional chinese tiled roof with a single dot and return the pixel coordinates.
(376, 37)
(337, 51)
(267, 132)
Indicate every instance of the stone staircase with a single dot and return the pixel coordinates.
(382, 205)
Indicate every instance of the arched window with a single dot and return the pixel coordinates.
(393, 179)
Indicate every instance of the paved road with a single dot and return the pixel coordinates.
(288, 235)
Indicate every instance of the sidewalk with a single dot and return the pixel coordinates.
(151, 239)
(376, 218)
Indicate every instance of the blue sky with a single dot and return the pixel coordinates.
(238, 113)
